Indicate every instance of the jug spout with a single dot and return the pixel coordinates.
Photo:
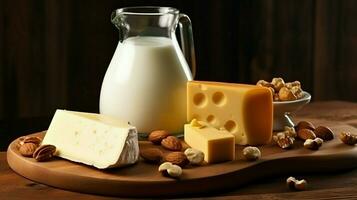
(145, 21)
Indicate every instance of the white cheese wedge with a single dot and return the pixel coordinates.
(93, 139)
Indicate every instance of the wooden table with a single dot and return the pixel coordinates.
(338, 185)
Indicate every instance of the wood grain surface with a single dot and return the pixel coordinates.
(340, 185)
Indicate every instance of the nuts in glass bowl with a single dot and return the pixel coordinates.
(283, 91)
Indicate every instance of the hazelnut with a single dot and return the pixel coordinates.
(251, 153)
(348, 138)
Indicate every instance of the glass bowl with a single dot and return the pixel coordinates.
(283, 109)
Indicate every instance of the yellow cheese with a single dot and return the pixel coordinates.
(246, 111)
(217, 145)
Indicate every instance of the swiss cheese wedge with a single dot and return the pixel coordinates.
(246, 111)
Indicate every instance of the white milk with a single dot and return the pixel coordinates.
(145, 84)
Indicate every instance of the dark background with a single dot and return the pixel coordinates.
(54, 54)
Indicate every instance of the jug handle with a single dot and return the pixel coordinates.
(187, 44)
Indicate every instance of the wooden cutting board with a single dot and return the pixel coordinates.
(143, 180)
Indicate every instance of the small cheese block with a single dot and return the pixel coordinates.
(217, 145)
(93, 139)
(246, 111)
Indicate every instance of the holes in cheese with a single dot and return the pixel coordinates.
(219, 99)
(230, 126)
(199, 99)
(246, 111)
(211, 119)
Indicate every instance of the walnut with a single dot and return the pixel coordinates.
(264, 83)
(286, 95)
(283, 140)
(278, 83)
(297, 91)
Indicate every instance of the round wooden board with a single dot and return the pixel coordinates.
(143, 180)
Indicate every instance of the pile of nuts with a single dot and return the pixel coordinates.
(283, 91)
(306, 131)
(30, 146)
(313, 137)
(172, 162)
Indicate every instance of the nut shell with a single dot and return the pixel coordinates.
(172, 143)
(177, 158)
(324, 133)
(157, 136)
(305, 125)
(305, 134)
(28, 149)
(152, 155)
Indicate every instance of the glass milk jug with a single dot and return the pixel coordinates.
(145, 82)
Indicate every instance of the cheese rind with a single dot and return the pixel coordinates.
(246, 111)
(217, 145)
(93, 139)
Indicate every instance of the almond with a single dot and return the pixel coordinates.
(28, 149)
(172, 143)
(157, 136)
(151, 155)
(324, 133)
(44, 152)
(177, 158)
(305, 134)
(305, 125)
